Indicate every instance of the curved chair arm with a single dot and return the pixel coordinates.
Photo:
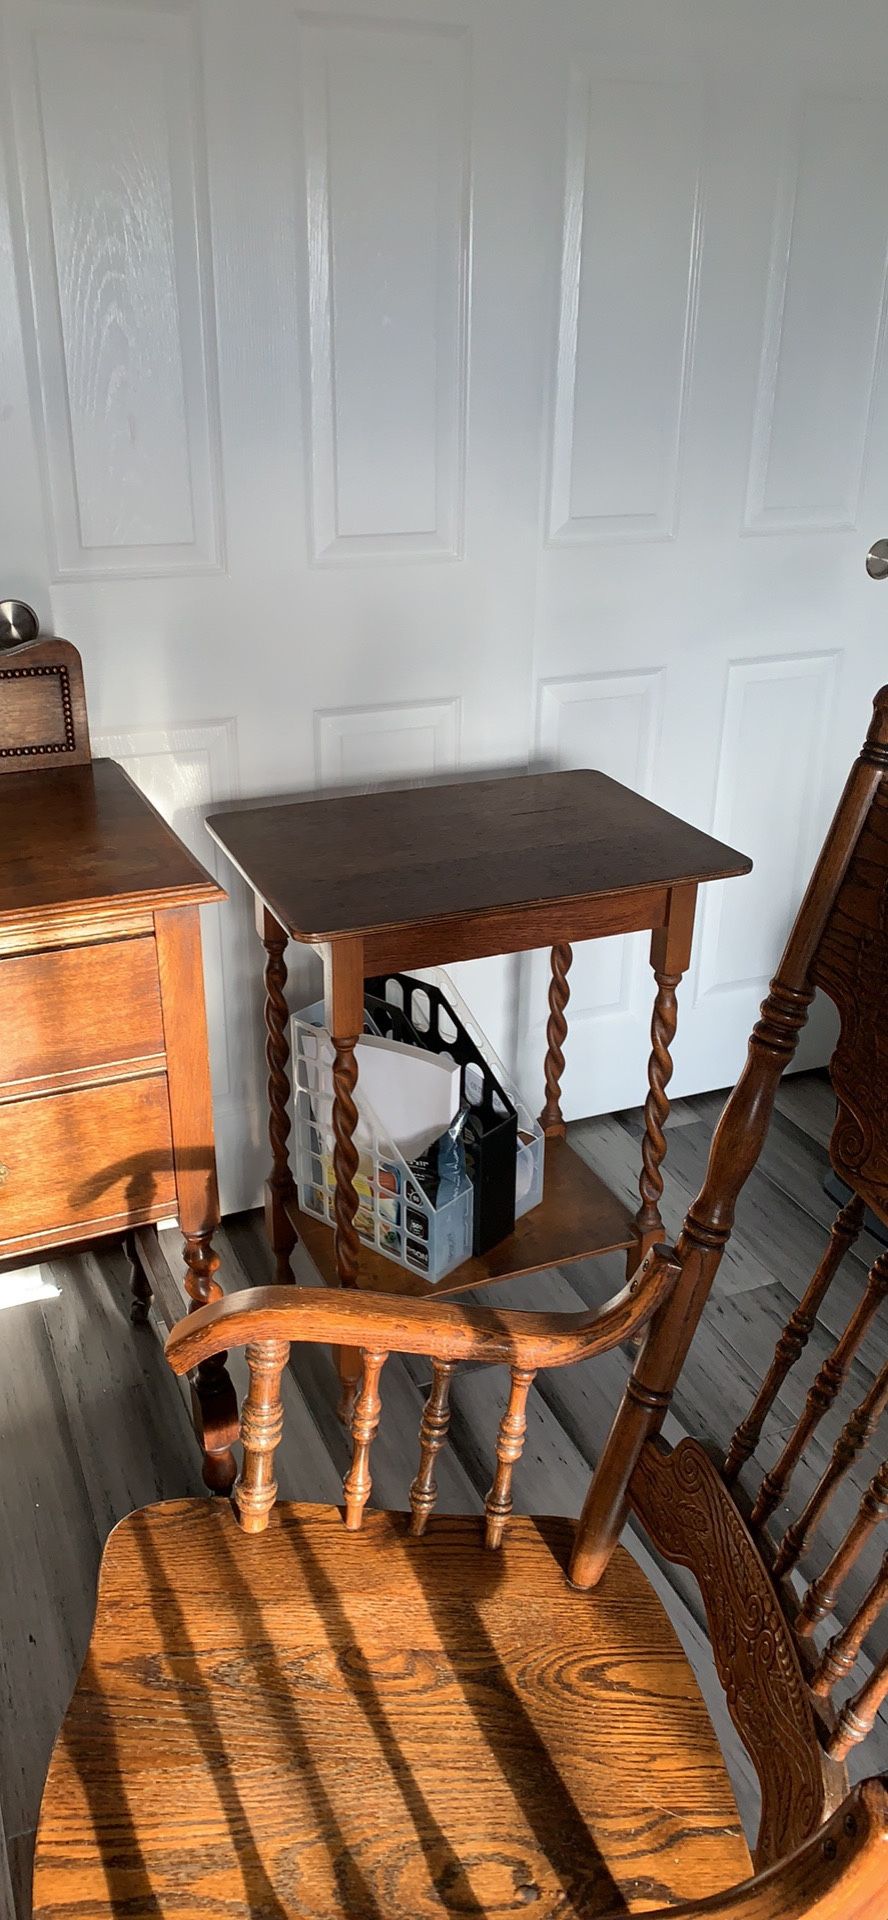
(440, 1329)
(841, 1873)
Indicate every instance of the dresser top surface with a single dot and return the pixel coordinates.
(84, 839)
(354, 864)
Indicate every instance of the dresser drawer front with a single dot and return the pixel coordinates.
(66, 1011)
(69, 1161)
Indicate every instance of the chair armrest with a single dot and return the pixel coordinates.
(441, 1329)
(841, 1873)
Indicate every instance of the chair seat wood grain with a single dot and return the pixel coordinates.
(327, 1723)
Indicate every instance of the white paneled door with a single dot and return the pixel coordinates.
(421, 385)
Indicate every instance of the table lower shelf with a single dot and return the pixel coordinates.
(577, 1217)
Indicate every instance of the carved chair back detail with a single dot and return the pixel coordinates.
(840, 943)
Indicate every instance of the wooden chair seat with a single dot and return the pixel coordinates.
(320, 1722)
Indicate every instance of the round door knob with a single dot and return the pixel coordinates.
(18, 622)
(877, 560)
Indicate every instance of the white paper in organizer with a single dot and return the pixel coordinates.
(413, 1095)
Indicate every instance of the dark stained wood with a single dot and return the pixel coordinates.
(65, 1011)
(851, 965)
(474, 936)
(857, 1715)
(551, 1118)
(577, 1216)
(100, 1157)
(794, 1338)
(838, 942)
(86, 841)
(279, 1185)
(371, 1724)
(690, 1516)
(106, 1119)
(43, 721)
(396, 859)
(821, 1395)
(737, 1144)
(822, 1594)
(180, 970)
(855, 1435)
(399, 879)
(670, 958)
(445, 1331)
(842, 1652)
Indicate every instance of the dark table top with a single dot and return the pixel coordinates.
(354, 864)
(83, 838)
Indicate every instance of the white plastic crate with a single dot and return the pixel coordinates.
(395, 1216)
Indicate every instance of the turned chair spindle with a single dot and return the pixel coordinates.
(432, 1437)
(262, 1423)
(509, 1447)
(821, 1396)
(364, 1424)
(823, 1592)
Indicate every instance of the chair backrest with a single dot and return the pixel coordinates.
(43, 719)
(762, 1619)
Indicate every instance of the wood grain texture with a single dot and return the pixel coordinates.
(84, 839)
(395, 859)
(120, 1132)
(382, 1323)
(511, 929)
(840, 1874)
(691, 1517)
(477, 1701)
(91, 1006)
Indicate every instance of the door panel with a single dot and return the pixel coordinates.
(419, 388)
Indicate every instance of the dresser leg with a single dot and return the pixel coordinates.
(141, 1290)
(213, 1399)
(180, 969)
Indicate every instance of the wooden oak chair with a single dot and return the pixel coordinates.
(369, 1715)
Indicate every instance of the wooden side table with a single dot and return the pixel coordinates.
(106, 1122)
(395, 880)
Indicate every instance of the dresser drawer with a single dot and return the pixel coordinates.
(70, 1161)
(75, 1008)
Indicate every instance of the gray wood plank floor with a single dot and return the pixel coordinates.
(93, 1423)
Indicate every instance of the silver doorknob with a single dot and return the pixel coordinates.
(877, 560)
(18, 622)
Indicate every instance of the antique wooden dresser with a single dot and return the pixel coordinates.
(106, 1121)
